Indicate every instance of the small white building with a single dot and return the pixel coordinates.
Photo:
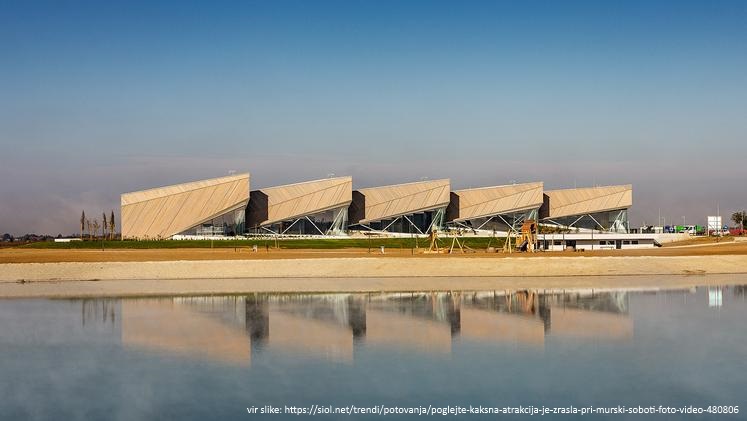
(597, 241)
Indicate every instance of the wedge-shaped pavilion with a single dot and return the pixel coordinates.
(497, 208)
(415, 208)
(317, 207)
(213, 207)
(591, 208)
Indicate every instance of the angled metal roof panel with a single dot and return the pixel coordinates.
(165, 211)
(402, 199)
(276, 204)
(581, 201)
(496, 200)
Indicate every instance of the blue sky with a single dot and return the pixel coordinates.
(100, 98)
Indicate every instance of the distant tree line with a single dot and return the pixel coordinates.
(27, 238)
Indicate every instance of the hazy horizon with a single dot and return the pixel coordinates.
(102, 99)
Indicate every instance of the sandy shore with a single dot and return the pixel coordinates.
(363, 274)
(374, 267)
(203, 287)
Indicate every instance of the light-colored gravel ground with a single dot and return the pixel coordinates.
(363, 274)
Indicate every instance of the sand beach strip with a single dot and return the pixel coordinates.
(362, 274)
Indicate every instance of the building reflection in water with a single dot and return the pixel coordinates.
(715, 297)
(503, 318)
(236, 329)
(329, 325)
(317, 325)
(421, 321)
(600, 316)
(210, 328)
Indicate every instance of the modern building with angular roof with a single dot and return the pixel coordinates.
(414, 208)
(590, 208)
(497, 208)
(225, 207)
(213, 207)
(318, 207)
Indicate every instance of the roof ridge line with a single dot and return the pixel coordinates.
(234, 177)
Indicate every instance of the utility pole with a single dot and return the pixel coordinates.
(658, 222)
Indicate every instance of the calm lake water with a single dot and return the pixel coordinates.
(214, 357)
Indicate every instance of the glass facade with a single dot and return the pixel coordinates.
(414, 223)
(330, 222)
(496, 223)
(612, 221)
(227, 225)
